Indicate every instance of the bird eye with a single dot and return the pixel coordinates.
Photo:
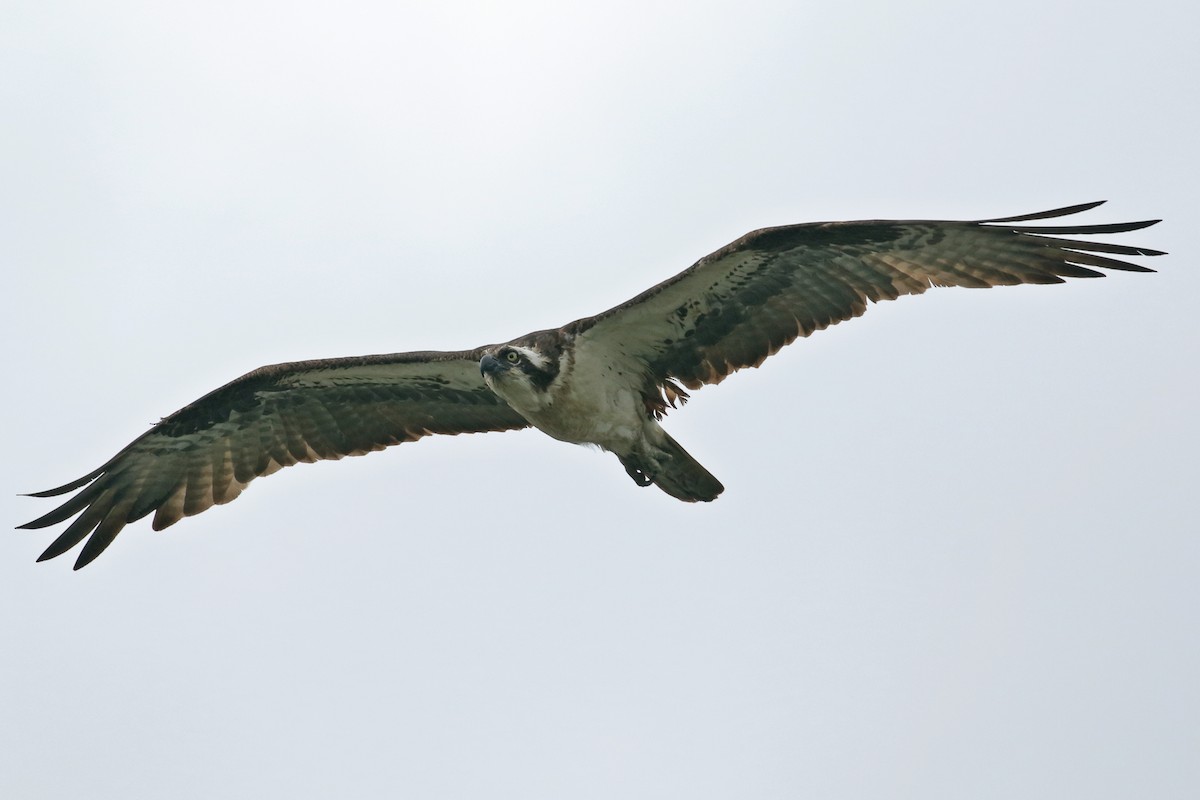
(513, 356)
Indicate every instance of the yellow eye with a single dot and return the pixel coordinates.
(513, 356)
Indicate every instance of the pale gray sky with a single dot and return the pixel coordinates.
(957, 554)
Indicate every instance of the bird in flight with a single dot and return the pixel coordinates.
(605, 380)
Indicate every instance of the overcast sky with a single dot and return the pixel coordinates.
(957, 552)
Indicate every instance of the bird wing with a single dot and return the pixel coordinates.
(741, 304)
(274, 417)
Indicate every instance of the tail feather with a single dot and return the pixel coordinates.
(676, 473)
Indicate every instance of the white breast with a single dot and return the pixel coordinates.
(596, 399)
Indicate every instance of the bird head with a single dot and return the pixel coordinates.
(521, 374)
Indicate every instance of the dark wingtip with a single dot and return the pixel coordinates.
(44, 521)
(68, 487)
(62, 544)
(1084, 230)
(1054, 212)
(98, 542)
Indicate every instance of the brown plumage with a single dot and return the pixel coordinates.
(741, 304)
(207, 452)
(730, 310)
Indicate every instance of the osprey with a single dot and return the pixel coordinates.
(605, 380)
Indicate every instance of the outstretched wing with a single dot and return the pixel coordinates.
(205, 453)
(736, 307)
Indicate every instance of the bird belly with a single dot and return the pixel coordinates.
(600, 413)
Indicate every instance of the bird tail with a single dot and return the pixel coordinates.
(676, 473)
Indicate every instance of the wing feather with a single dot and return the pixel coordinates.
(206, 453)
(78, 530)
(739, 305)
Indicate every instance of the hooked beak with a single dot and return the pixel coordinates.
(489, 365)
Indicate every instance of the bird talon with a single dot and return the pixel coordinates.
(639, 477)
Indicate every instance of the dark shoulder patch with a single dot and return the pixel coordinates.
(788, 237)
